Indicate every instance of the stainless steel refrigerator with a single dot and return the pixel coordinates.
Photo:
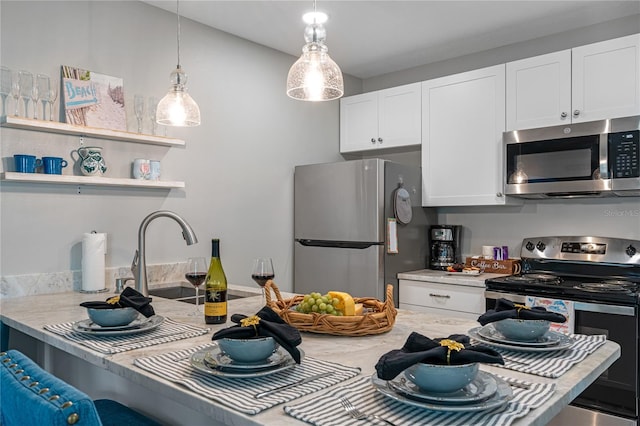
(344, 239)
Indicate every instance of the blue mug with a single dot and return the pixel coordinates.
(26, 163)
(53, 165)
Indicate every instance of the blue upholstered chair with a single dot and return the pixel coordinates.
(30, 395)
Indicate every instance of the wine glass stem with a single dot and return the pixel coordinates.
(264, 299)
(197, 299)
(140, 130)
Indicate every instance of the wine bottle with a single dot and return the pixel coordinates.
(215, 298)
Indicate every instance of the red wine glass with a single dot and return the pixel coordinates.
(262, 272)
(196, 275)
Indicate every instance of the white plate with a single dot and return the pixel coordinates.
(502, 395)
(198, 362)
(217, 358)
(564, 343)
(480, 389)
(550, 338)
(152, 323)
(89, 325)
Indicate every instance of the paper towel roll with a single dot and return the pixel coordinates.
(94, 250)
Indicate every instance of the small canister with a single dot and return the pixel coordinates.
(505, 252)
(497, 253)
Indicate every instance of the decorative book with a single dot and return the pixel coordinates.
(93, 99)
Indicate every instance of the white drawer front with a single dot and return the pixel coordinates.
(442, 296)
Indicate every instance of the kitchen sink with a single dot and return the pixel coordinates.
(186, 294)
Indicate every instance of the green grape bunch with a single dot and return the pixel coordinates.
(322, 304)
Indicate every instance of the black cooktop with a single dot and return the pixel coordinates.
(586, 289)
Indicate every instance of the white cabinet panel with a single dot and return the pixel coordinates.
(606, 79)
(455, 300)
(383, 119)
(539, 91)
(593, 82)
(463, 117)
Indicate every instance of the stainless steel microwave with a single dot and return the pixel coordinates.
(592, 159)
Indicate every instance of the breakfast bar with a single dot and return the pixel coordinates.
(120, 376)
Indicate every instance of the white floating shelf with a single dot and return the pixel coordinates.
(70, 129)
(88, 180)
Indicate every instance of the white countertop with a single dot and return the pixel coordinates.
(28, 315)
(457, 278)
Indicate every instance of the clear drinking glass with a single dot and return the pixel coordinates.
(138, 108)
(44, 85)
(53, 95)
(151, 113)
(262, 272)
(26, 87)
(196, 274)
(15, 91)
(5, 87)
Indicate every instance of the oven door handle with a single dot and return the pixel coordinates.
(577, 306)
(604, 309)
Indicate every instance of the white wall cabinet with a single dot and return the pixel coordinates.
(458, 301)
(463, 117)
(82, 131)
(587, 83)
(386, 118)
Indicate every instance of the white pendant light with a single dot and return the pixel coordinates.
(315, 77)
(178, 108)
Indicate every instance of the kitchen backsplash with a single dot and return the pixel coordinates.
(58, 282)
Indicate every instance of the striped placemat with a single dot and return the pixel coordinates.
(554, 363)
(239, 393)
(325, 410)
(168, 331)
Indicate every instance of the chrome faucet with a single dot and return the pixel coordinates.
(139, 265)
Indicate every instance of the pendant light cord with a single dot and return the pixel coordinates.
(178, 36)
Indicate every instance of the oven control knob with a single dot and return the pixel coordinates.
(530, 246)
(541, 246)
(631, 250)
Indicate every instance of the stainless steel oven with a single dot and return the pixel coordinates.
(601, 277)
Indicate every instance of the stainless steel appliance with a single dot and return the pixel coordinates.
(444, 245)
(601, 276)
(344, 238)
(593, 159)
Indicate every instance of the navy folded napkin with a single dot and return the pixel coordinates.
(453, 350)
(269, 324)
(507, 309)
(128, 298)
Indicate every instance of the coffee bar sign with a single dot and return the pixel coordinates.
(509, 266)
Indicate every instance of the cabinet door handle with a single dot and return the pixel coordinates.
(373, 140)
(563, 115)
(380, 140)
(576, 113)
(443, 296)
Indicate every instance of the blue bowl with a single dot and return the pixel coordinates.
(112, 317)
(522, 330)
(442, 378)
(248, 350)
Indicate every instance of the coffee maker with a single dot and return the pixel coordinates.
(444, 242)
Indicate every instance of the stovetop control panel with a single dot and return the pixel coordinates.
(582, 249)
(585, 248)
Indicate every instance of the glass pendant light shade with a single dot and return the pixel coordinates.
(178, 108)
(315, 76)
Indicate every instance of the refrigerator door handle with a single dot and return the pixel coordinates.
(339, 244)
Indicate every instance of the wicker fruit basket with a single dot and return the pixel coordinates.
(378, 318)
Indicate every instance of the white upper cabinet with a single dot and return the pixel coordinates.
(463, 117)
(606, 79)
(587, 83)
(386, 118)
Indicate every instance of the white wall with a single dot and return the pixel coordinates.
(237, 166)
